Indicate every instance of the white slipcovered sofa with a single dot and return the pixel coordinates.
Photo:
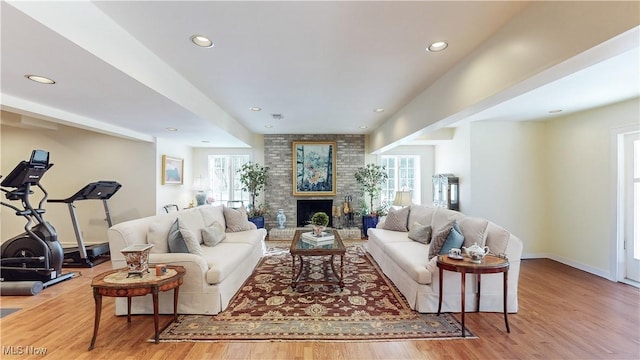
(406, 262)
(214, 273)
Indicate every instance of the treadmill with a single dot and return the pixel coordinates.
(91, 255)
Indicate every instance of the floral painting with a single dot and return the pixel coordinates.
(314, 168)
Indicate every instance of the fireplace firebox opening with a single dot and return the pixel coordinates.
(306, 209)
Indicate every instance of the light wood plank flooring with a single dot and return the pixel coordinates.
(564, 314)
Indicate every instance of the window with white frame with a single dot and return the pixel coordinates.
(404, 174)
(224, 178)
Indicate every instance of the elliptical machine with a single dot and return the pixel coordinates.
(34, 256)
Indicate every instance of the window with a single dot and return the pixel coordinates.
(224, 179)
(404, 174)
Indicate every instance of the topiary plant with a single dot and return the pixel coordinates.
(320, 219)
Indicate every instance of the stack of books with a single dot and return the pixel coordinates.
(323, 239)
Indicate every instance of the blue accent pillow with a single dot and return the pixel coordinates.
(175, 240)
(454, 239)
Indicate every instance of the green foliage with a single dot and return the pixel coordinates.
(253, 178)
(320, 219)
(370, 179)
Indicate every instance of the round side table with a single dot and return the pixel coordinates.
(117, 283)
(490, 265)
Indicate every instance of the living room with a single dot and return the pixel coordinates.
(550, 179)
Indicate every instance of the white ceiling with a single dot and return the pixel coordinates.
(128, 67)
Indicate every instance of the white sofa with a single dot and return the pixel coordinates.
(212, 278)
(406, 262)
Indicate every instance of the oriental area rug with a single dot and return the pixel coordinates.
(369, 308)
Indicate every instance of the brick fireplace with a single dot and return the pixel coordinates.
(278, 157)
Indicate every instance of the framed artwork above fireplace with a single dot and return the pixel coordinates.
(314, 168)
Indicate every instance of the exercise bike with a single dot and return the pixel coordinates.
(32, 260)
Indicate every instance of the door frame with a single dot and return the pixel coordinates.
(617, 203)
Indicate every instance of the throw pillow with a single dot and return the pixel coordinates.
(454, 240)
(214, 234)
(237, 220)
(397, 219)
(438, 239)
(190, 239)
(175, 241)
(420, 233)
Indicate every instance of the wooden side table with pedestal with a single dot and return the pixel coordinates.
(119, 283)
(490, 265)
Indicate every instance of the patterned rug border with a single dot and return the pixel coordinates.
(278, 247)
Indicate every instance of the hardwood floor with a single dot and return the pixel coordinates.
(564, 314)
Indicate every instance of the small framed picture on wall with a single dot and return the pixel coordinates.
(172, 170)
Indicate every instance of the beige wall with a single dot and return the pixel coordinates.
(582, 186)
(81, 157)
(548, 182)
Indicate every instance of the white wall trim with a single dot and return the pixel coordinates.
(569, 262)
(617, 202)
(590, 269)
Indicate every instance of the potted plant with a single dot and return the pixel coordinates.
(370, 179)
(253, 178)
(319, 221)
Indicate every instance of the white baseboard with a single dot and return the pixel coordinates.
(569, 262)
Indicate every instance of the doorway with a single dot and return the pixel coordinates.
(632, 205)
(628, 207)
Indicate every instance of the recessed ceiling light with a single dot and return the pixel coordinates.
(268, 126)
(379, 110)
(364, 127)
(554, 111)
(201, 41)
(437, 46)
(40, 79)
(206, 141)
(171, 129)
(255, 108)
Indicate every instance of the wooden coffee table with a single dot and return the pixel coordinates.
(301, 250)
(489, 265)
(117, 283)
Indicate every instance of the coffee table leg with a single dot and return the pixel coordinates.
(462, 292)
(440, 290)
(98, 300)
(155, 314)
(506, 322)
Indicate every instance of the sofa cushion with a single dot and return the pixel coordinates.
(442, 217)
(175, 241)
(454, 239)
(439, 237)
(211, 213)
(158, 232)
(422, 214)
(190, 239)
(396, 219)
(214, 234)
(192, 220)
(411, 257)
(237, 220)
(223, 259)
(474, 230)
(497, 239)
(420, 233)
